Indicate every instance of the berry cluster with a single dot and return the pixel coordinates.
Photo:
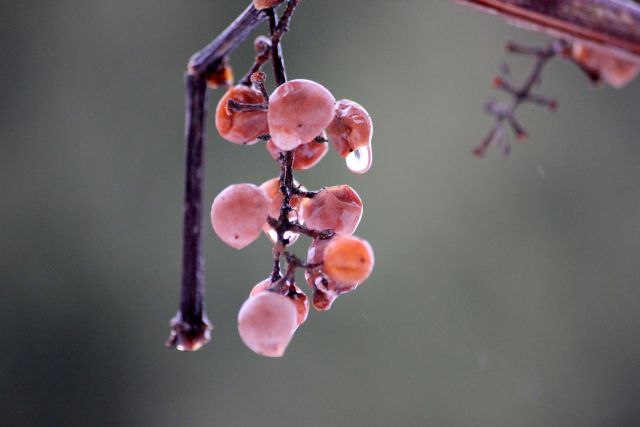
(295, 122)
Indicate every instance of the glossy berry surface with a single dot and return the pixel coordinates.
(338, 208)
(241, 127)
(238, 214)
(299, 110)
(348, 260)
(266, 323)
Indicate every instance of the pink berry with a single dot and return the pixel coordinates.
(241, 127)
(238, 214)
(351, 127)
(299, 110)
(305, 156)
(338, 208)
(266, 323)
(294, 293)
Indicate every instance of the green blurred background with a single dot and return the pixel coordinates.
(505, 293)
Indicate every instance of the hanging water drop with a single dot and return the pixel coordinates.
(359, 161)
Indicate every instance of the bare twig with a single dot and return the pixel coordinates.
(190, 328)
(519, 95)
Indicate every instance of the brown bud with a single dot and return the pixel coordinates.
(221, 76)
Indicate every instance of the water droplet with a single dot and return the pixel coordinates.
(273, 236)
(359, 161)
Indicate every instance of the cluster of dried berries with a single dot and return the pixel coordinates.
(296, 122)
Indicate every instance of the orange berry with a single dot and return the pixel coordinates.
(241, 127)
(351, 128)
(348, 260)
(266, 323)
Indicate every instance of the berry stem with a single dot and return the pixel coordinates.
(262, 46)
(190, 328)
(283, 224)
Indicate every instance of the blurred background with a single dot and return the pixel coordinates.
(505, 293)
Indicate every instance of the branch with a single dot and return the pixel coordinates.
(613, 23)
(190, 328)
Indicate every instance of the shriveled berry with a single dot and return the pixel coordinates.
(241, 127)
(348, 260)
(299, 110)
(238, 214)
(305, 155)
(266, 323)
(351, 127)
(338, 208)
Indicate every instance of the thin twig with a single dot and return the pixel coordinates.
(262, 45)
(505, 111)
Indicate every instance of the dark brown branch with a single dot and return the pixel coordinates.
(190, 328)
(210, 57)
(234, 105)
(279, 72)
(612, 23)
